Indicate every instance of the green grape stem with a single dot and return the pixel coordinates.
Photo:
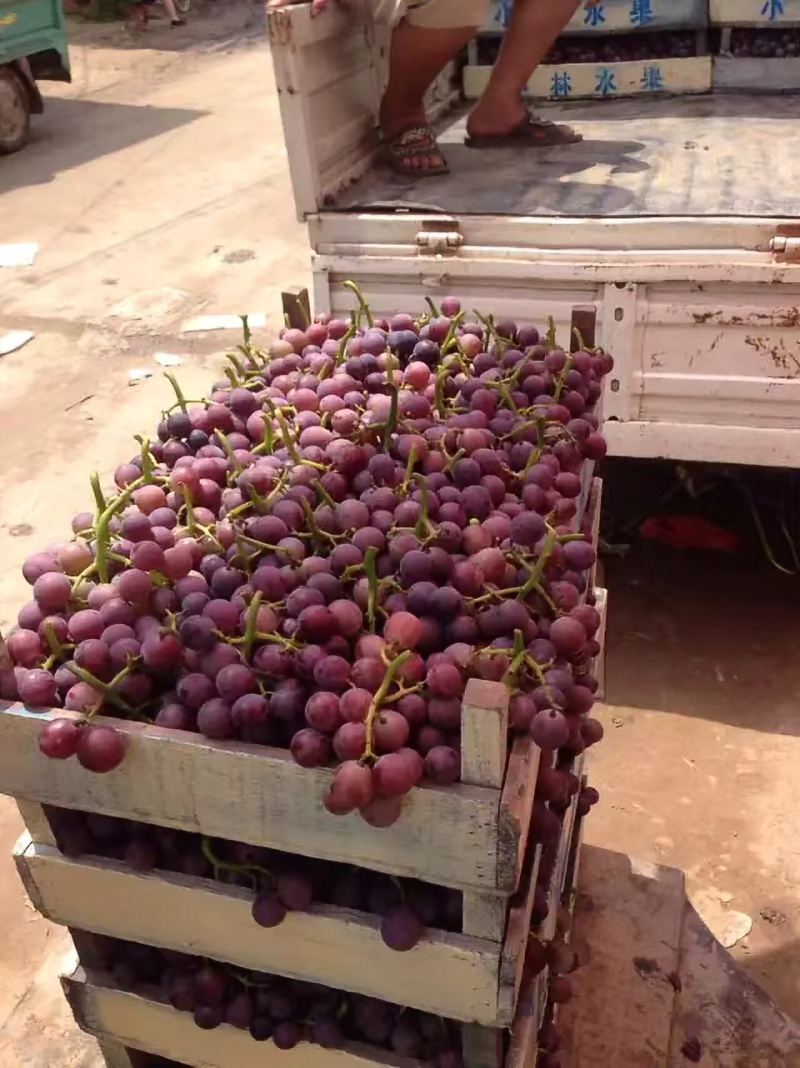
(104, 688)
(377, 701)
(181, 400)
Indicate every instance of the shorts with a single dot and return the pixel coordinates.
(434, 14)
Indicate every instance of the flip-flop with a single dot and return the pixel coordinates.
(529, 131)
(413, 143)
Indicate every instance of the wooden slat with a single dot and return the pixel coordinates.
(447, 974)
(116, 1056)
(516, 802)
(547, 929)
(484, 733)
(518, 933)
(601, 605)
(36, 822)
(522, 1047)
(452, 836)
(138, 1022)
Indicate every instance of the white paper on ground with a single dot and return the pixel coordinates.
(136, 374)
(21, 255)
(255, 320)
(14, 340)
(167, 359)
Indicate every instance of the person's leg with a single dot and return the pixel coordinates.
(418, 54)
(172, 13)
(534, 26)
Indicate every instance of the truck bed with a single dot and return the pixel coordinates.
(682, 156)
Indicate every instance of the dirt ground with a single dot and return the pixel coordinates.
(156, 189)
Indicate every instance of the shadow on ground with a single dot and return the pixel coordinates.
(73, 132)
(698, 632)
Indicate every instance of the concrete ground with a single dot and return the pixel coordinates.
(156, 188)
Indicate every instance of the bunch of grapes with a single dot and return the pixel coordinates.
(621, 48)
(320, 556)
(281, 882)
(768, 43)
(285, 1011)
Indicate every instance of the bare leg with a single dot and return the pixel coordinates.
(534, 26)
(418, 54)
(171, 10)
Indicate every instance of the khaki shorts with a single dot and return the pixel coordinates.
(434, 14)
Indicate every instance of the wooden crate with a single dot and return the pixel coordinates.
(772, 14)
(462, 977)
(617, 16)
(759, 75)
(470, 836)
(606, 81)
(131, 1022)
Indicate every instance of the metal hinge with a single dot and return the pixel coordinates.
(788, 248)
(441, 237)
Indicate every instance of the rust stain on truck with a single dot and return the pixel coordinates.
(787, 318)
(781, 357)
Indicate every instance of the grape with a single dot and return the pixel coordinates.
(25, 648)
(444, 680)
(59, 738)
(397, 773)
(239, 1012)
(403, 630)
(39, 564)
(401, 929)
(214, 719)
(382, 811)
(52, 591)
(323, 712)
(287, 1035)
(310, 749)
(37, 687)
(234, 681)
(268, 910)
(87, 623)
(295, 890)
(134, 586)
(351, 787)
(592, 731)
(82, 698)
(442, 765)
(549, 729)
(100, 749)
(567, 635)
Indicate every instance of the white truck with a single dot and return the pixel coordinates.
(677, 219)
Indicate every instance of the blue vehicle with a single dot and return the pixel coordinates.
(33, 47)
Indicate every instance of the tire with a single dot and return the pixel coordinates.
(15, 112)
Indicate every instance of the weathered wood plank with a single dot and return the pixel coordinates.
(115, 1055)
(484, 733)
(36, 822)
(452, 836)
(482, 1047)
(485, 915)
(137, 1022)
(601, 605)
(516, 806)
(451, 975)
(522, 1047)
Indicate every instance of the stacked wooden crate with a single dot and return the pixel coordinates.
(758, 72)
(608, 80)
(473, 836)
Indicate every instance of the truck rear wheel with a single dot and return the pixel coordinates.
(15, 112)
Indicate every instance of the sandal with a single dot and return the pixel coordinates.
(530, 131)
(414, 143)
